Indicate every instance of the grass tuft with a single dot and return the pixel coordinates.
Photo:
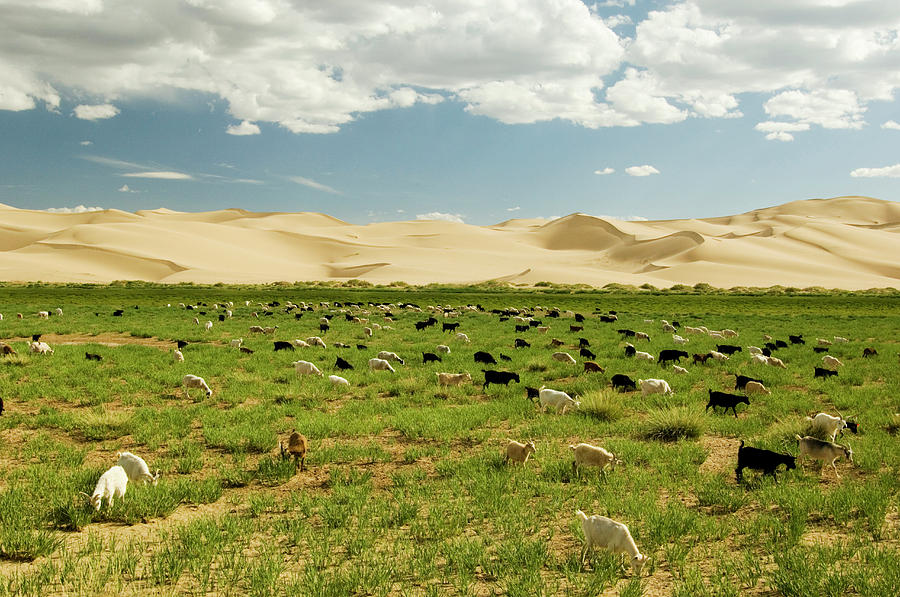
(673, 424)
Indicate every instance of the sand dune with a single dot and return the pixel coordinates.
(845, 242)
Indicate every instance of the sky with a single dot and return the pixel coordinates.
(467, 110)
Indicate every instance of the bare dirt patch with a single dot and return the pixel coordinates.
(111, 339)
(721, 454)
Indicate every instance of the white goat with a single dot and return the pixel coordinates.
(136, 468)
(564, 357)
(306, 368)
(679, 370)
(208, 326)
(443, 349)
(754, 387)
(613, 536)
(380, 365)
(729, 333)
(193, 381)
(113, 482)
(828, 424)
(237, 343)
(588, 455)
(840, 340)
(58, 312)
(754, 350)
(43, 314)
(654, 386)
(678, 339)
(644, 356)
(316, 341)
(390, 356)
(40, 348)
(177, 356)
(337, 380)
(557, 399)
(718, 355)
(831, 362)
(818, 449)
(462, 337)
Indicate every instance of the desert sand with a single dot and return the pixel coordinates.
(845, 242)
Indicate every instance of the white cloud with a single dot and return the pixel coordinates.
(314, 67)
(308, 182)
(516, 208)
(636, 219)
(244, 128)
(644, 170)
(86, 143)
(126, 189)
(780, 131)
(885, 172)
(162, 175)
(436, 215)
(112, 162)
(98, 112)
(605, 171)
(72, 210)
(890, 124)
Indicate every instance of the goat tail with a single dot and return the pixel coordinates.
(798, 437)
(580, 514)
(571, 447)
(742, 443)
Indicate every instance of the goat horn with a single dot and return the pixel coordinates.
(85, 495)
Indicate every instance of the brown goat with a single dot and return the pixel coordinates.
(296, 449)
(592, 367)
(6, 349)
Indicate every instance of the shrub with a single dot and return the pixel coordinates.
(601, 405)
(672, 424)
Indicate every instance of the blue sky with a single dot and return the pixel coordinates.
(466, 110)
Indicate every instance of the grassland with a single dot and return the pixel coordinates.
(406, 492)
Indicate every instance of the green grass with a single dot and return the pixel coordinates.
(406, 490)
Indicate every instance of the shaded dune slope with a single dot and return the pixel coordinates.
(846, 242)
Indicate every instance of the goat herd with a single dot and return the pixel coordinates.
(599, 531)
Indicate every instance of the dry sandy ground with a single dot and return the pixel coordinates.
(845, 242)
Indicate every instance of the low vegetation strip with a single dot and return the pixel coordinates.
(406, 484)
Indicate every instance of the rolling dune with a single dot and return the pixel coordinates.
(845, 242)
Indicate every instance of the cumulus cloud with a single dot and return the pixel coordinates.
(605, 171)
(781, 131)
(126, 189)
(80, 209)
(98, 112)
(516, 208)
(162, 175)
(636, 219)
(244, 128)
(86, 143)
(436, 215)
(644, 170)
(885, 172)
(308, 182)
(890, 124)
(314, 67)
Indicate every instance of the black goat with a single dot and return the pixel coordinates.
(498, 377)
(522, 328)
(503, 357)
(626, 333)
(342, 364)
(485, 357)
(726, 401)
(671, 355)
(820, 372)
(520, 343)
(622, 382)
(282, 345)
(586, 354)
(92, 357)
(740, 381)
(630, 350)
(727, 348)
(762, 460)
(449, 327)
(532, 393)
(820, 349)
(798, 339)
(430, 357)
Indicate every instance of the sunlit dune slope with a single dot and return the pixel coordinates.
(845, 242)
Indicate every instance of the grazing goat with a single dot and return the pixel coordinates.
(193, 381)
(246, 350)
(6, 349)
(679, 370)
(337, 380)
(820, 372)
(622, 382)
(518, 452)
(236, 343)
(40, 348)
(762, 460)
(592, 367)
(90, 356)
(177, 356)
(316, 341)
(453, 379)
(831, 426)
(586, 354)
(588, 455)
(209, 325)
(306, 368)
(136, 468)
(727, 349)
(630, 350)
(498, 377)
(380, 365)
(282, 345)
(796, 339)
(818, 449)
(341, 364)
(869, 352)
(740, 381)
(430, 357)
(296, 449)
(390, 356)
(564, 357)
(654, 386)
(644, 356)
(113, 482)
(462, 337)
(641, 336)
(726, 401)
(700, 358)
(532, 393)
(819, 349)
(754, 387)
(718, 356)
(485, 357)
(560, 401)
(840, 340)
(678, 339)
(443, 349)
(671, 355)
(520, 343)
(613, 536)
(43, 314)
(831, 362)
